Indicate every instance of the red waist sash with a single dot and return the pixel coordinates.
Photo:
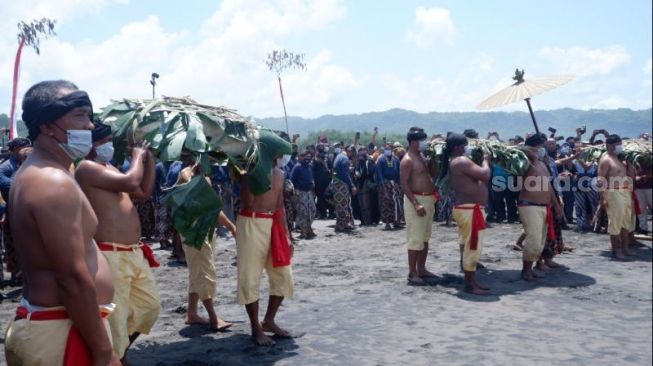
(637, 208)
(76, 352)
(478, 224)
(549, 223)
(435, 194)
(256, 215)
(148, 253)
(279, 246)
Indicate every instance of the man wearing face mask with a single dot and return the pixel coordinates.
(61, 319)
(304, 203)
(469, 182)
(387, 171)
(110, 193)
(616, 195)
(419, 205)
(537, 202)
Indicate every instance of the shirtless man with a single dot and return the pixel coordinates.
(536, 201)
(259, 216)
(55, 225)
(469, 181)
(110, 193)
(419, 205)
(615, 192)
(202, 275)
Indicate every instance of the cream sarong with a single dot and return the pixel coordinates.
(202, 275)
(620, 210)
(42, 342)
(135, 295)
(419, 228)
(533, 219)
(463, 214)
(253, 256)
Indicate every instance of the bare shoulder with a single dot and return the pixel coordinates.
(47, 184)
(278, 175)
(87, 167)
(406, 161)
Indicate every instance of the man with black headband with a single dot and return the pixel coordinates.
(419, 205)
(537, 202)
(66, 279)
(119, 233)
(469, 182)
(616, 195)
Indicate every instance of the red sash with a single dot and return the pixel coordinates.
(549, 223)
(435, 194)
(76, 352)
(636, 206)
(478, 224)
(279, 246)
(148, 253)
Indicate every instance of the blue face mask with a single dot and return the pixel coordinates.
(387, 153)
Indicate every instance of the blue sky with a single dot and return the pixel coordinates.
(362, 55)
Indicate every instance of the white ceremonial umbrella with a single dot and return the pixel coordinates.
(524, 90)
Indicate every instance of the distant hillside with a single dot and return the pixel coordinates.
(625, 122)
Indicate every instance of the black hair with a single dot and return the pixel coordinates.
(36, 98)
(471, 133)
(18, 142)
(453, 140)
(612, 139)
(415, 134)
(534, 140)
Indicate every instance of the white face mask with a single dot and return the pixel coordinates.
(337, 150)
(468, 151)
(618, 149)
(283, 161)
(423, 145)
(541, 153)
(79, 144)
(104, 152)
(387, 153)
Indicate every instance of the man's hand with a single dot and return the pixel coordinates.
(421, 211)
(292, 250)
(140, 150)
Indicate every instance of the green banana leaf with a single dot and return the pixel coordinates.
(270, 146)
(195, 208)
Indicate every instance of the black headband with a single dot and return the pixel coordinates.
(56, 109)
(416, 134)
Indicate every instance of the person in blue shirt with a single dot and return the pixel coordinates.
(304, 202)
(10, 166)
(343, 189)
(387, 178)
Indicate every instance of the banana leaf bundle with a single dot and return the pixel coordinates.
(214, 135)
(637, 153)
(513, 160)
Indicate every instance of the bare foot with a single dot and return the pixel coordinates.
(530, 275)
(617, 254)
(426, 274)
(480, 286)
(551, 264)
(196, 319)
(262, 340)
(415, 280)
(474, 290)
(629, 253)
(221, 325)
(542, 266)
(272, 327)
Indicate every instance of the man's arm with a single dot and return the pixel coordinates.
(59, 219)
(602, 179)
(97, 175)
(482, 173)
(404, 175)
(224, 221)
(278, 175)
(147, 183)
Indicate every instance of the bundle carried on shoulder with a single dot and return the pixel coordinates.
(213, 135)
(637, 152)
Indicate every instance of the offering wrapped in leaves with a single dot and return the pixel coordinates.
(636, 152)
(214, 135)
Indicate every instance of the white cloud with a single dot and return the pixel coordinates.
(585, 62)
(223, 64)
(430, 27)
(648, 68)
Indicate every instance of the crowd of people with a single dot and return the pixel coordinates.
(85, 265)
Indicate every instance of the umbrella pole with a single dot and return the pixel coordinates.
(530, 109)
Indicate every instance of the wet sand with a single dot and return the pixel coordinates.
(353, 303)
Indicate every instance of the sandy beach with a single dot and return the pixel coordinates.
(353, 303)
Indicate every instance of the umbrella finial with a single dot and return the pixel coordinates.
(519, 76)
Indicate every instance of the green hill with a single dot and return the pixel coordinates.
(625, 122)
